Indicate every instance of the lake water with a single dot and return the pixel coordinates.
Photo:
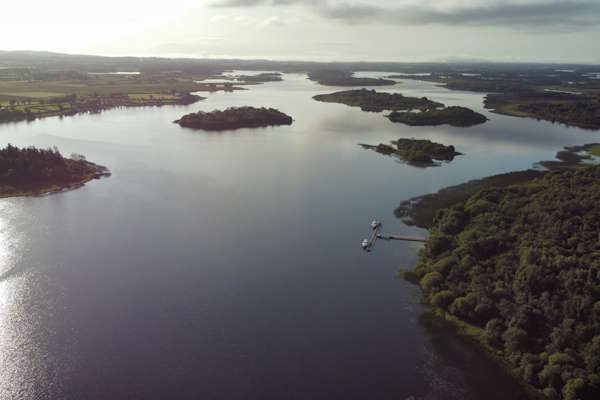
(228, 265)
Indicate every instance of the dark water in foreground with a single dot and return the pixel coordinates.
(228, 266)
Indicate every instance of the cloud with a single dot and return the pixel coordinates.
(252, 3)
(531, 14)
(244, 20)
(271, 22)
(218, 18)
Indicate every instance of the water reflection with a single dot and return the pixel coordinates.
(229, 265)
(456, 369)
(16, 349)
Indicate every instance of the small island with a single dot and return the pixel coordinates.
(418, 152)
(370, 100)
(566, 96)
(260, 78)
(345, 78)
(235, 118)
(454, 116)
(32, 172)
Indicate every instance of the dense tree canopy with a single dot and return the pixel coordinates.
(32, 169)
(454, 115)
(420, 152)
(370, 100)
(345, 78)
(523, 264)
(572, 109)
(235, 118)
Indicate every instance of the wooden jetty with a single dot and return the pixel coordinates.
(405, 238)
(376, 234)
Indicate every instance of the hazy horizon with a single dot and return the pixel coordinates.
(308, 30)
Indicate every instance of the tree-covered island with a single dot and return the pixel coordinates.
(569, 96)
(260, 78)
(454, 116)
(31, 171)
(418, 152)
(370, 100)
(235, 118)
(345, 78)
(413, 111)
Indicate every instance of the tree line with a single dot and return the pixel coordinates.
(522, 263)
(32, 166)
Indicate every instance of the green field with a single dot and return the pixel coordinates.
(30, 95)
(98, 85)
(594, 150)
(29, 99)
(152, 96)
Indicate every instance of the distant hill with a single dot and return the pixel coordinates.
(44, 60)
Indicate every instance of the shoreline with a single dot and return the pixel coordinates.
(420, 211)
(183, 101)
(234, 118)
(473, 335)
(439, 264)
(526, 115)
(98, 172)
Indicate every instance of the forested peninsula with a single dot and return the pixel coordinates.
(520, 267)
(31, 171)
(420, 211)
(571, 109)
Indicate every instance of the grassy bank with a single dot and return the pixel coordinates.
(420, 211)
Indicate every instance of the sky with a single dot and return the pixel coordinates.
(319, 30)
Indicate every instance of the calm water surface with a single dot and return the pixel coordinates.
(228, 265)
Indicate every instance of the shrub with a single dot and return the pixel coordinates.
(514, 339)
(431, 281)
(442, 298)
(444, 265)
(438, 244)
